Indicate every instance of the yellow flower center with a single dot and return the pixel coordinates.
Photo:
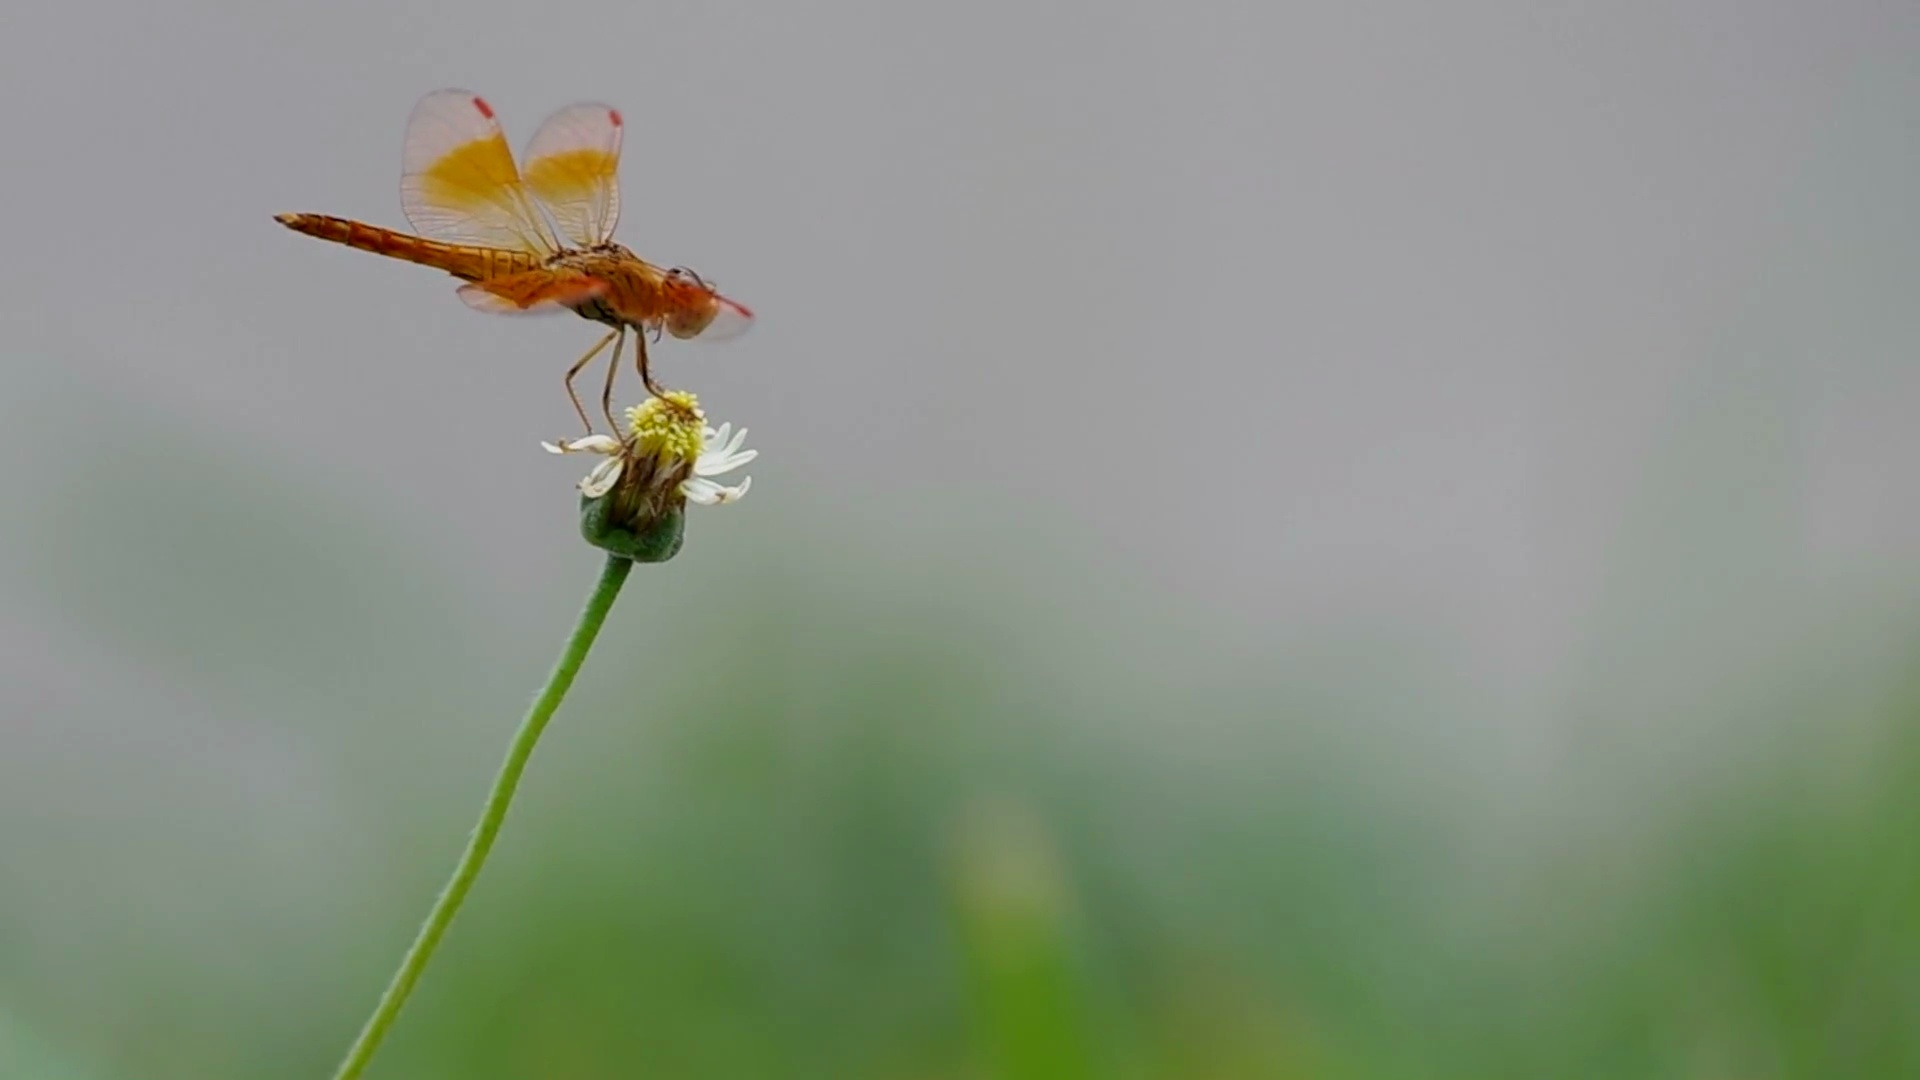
(670, 428)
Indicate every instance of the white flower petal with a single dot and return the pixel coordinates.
(602, 478)
(734, 494)
(712, 465)
(598, 444)
(725, 440)
(723, 453)
(708, 493)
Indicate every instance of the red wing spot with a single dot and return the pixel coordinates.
(486, 110)
(614, 115)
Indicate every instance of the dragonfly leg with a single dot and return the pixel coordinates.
(575, 370)
(613, 369)
(640, 365)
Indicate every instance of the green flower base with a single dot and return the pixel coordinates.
(659, 541)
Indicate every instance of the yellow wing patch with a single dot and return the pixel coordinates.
(572, 164)
(459, 182)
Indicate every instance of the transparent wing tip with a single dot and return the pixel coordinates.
(730, 319)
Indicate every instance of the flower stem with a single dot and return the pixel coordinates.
(492, 815)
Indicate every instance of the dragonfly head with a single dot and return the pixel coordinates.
(697, 310)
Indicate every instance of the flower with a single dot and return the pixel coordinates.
(668, 458)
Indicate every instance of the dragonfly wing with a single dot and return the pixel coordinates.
(571, 166)
(535, 292)
(458, 181)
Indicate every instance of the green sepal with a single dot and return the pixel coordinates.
(659, 541)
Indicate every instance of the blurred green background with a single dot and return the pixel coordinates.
(817, 808)
(1310, 540)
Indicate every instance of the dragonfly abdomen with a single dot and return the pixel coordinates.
(465, 261)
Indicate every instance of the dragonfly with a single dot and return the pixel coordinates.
(538, 238)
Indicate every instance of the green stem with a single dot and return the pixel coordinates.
(491, 817)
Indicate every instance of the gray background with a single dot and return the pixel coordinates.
(1375, 297)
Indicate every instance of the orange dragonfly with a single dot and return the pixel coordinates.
(538, 240)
